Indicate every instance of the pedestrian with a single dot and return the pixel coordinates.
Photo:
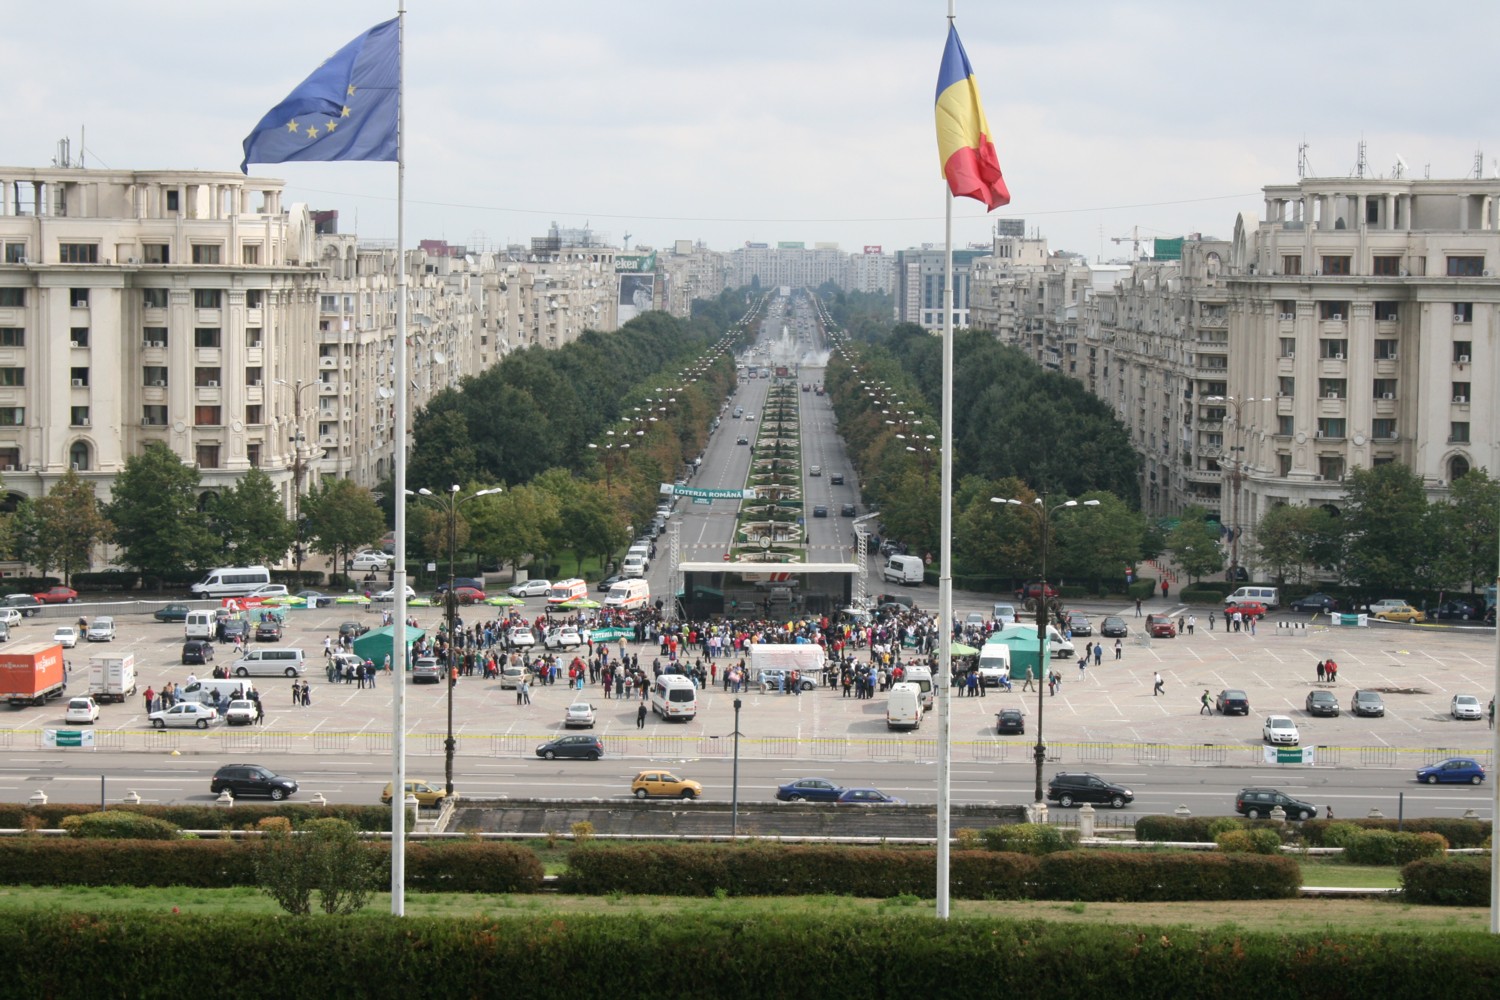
(260, 712)
(525, 691)
(640, 716)
(1192, 623)
(1332, 669)
(1205, 707)
(1328, 812)
(1098, 653)
(1322, 671)
(1119, 649)
(1252, 623)
(306, 694)
(1137, 607)
(1164, 590)
(1083, 664)
(1027, 685)
(1158, 687)
(1210, 621)
(1052, 683)
(151, 697)
(1492, 713)
(296, 693)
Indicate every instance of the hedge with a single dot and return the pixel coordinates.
(1122, 876)
(1453, 882)
(1029, 838)
(1384, 847)
(1205, 829)
(113, 579)
(1458, 832)
(15, 816)
(461, 866)
(119, 824)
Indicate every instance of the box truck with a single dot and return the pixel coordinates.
(32, 672)
(112, 678)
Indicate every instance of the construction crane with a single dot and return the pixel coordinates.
(1135, 239)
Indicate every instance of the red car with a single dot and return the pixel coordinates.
(1249, 609)
(1161, 627)
(468, 595)
(1033, 590)
(57, 595)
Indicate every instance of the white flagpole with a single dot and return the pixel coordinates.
(398, 576)
(944, 680)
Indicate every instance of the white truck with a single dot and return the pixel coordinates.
(112, 678)
(775, 658)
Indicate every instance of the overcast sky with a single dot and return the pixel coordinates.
(778, 120)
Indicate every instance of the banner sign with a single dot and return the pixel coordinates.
(68, 738)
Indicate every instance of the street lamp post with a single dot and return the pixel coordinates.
(1236, 477)
(450, 502)
(1044, 519)
(734, 794)
(297, 438)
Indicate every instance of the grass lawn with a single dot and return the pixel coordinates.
(1258, 915)
(1335, 873)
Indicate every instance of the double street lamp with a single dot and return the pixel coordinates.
(1236, 475)
(297, 439)
(1043, 514)
(449, 502)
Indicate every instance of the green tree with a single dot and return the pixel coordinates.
(512, 525)
(154, 509)
(251, 521)
(324, 855)
(1194, 544)
(910, 512)
(341, 517)
(447, 454)
(1289, 541)
(1097, 543)
(1469, 531)
(69, 523)
(1387, 542)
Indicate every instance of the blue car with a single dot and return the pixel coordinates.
(868, 797)
(810, 790)
(1462, 770)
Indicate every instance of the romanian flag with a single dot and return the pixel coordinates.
(965, 150)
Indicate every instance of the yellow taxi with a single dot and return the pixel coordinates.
(1394, 611)
(427, 793)
(664, 783)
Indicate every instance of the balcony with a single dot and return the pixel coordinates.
(1203, 475)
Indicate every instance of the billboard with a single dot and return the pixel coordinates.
(636, 294)
(872, 249)
(791, 245)
(629, 263)
(757, 246)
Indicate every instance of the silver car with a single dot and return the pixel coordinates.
(184, 715)
(580, 715)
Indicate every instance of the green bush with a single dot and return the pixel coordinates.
(114, 579)
(1452, 882)
(471, 866)
(1144, 588)
(117, 824)
(1178, 830)
(1223, 824)
(1260, 841)
(1338, 834)
(1030, 838)
(1385, 847)
(1458, 832)
(1124, 876)
(368, 818)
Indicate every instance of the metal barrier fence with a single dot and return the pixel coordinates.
(1095, 753)
(1208, 753)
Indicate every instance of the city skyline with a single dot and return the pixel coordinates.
(808, 123)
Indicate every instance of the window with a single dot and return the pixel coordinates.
(12, 336)
(1385, 350)
(156, 253)
(1386, 312)
(207, 298)
(1291, 263)
(1288, 347)
(78, 336)
(253, 414)
(205, 377)
(154, 376)
(255, 298)
(208, 456)
(1381, 460)
(1333, 348)
(1333, 310)
(207, 253)
(330, 303)
(252, 455)
(172, 197)
(10, 458)
(1331, 427)
(14, 298)
(1458, 432)
(1465, 267)
(154, 416)
(1285, 426)
(1332, 388)
(1463, 350)
(79, 376)
(1284, 465)
(1458, 467)
(1386, 266)
(206, 416)
(12, 416)
(12, 376)
(253, 376)
(79, 416)
(1383, 388)
(78, 298)
(1336, 265)
(15, 253)
(252, 336)
(78, 253)
(1286, 386)
(1288, 308)
(250, 253)
(78, 455)
(1331, 467)
(154, 298)
(1462, 392)
(1383, 430)
(1463, 312)
(155, 336)
(206, 336)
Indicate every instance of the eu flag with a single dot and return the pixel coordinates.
(346, 110)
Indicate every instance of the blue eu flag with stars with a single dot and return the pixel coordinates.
(346, 110)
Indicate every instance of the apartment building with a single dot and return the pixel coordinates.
(919, 278)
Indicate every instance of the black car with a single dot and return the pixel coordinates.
(352, 630)
(1322, 703)
(1066, 789)
(1367, 703)
(1114, 627)
(268, 631)
(251, 779)
(315, 598)
(197, 651)
(609, 581)
(1079, 624)
(236, 628)
(1257, 803)
(836, 479)
(1461, 611)
(1232, 701)
(27, 604)
(171, 613)
(820, 511)
(1315, 602)
(742, 440)
(1010, 720)
(576, 747)
(847, 510)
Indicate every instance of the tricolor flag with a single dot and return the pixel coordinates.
(965, 150)
(346, 110)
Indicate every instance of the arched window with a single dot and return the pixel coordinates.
(1458, 467)
(79, 456)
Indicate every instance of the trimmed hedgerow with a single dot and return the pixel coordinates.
(1450, 882)
(1385, 847)
(116, 824)
(1030, 838)
(203, 817)
(1249, 842)
(1122, 876)
(1457, 832)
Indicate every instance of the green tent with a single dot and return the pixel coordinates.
(376, 644)
(1024, 656)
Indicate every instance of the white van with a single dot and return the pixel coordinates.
(629, 594)
(282, 662)
(1059, 647)
(674, 698)
(903, 569)
(633, 566)
(567, 590)
(921, 678)
(203, 691)
(199, 625)
(1269, 596)
(903, 710)
(232, 581)
(994, 663)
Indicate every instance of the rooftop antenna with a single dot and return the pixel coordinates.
(1359, 160)
(1479, 163)
(1302, 167)
(63, 157)
(1399, 170)
(627, 241)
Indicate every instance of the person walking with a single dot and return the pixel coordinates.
(1119, 649)
(1083, 665)
(1492, 713)
(151, 697)
(306, 694)
(1164, 590)
(1210, 621)
(1098, 653)
(1158, 687)
(1322, 671)
(1137, 607)
(1192, 623)
(640, 716)
(1027, 685)
(296, 693)
(1205, 707)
